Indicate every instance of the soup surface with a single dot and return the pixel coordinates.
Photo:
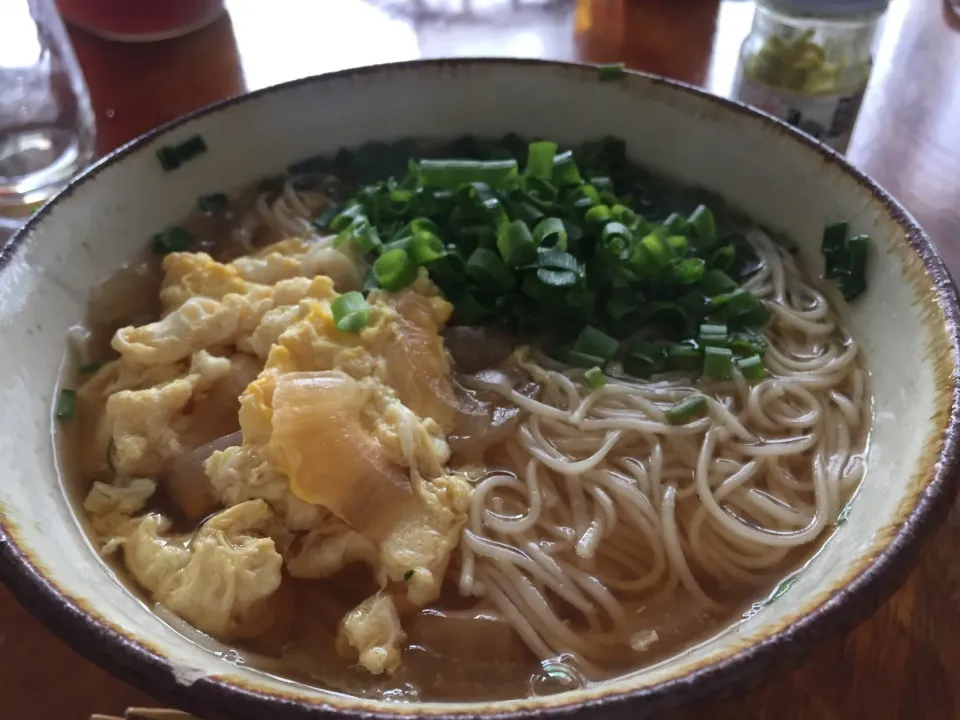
(480, 422)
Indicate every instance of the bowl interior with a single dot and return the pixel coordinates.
(756, 164)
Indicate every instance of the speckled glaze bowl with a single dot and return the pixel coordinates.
(907, 323)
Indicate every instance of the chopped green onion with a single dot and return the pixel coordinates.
(757, 316)
(557, 260)
(832, 247)
(728, 306)
(689, 270)
(623, 214)
(556, 278)
(657, 249)
(677, 224)
(550, 233)
(595, 378)
(516, 245)
(90, 368)
(362, 234)
(751, 367)
(748, 342)
(723, 258)
(853, 282)
(685, 410)
(426, 246)
(169, 160)
(678, 244)
(704, 225)
(611, 71)
(394, 270)
(718, 363)
(716, 282)
(450, 174)
(598, 216)
(191, 148)
(212, 203)
(174, 239)
(66, 404)
(684, 357)
(489, 271)
(565, 170)
(540, 160)
(407, 575)
(584, 360)
(713, 335)
(592, 341)
(350, 312)
(346, 218)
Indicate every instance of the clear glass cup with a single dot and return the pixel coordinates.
(46, 120)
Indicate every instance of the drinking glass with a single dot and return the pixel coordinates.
(142, 20)
(46, 121)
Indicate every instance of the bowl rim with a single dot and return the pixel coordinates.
(214, 697)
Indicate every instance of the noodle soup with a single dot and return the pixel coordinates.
(473, 432)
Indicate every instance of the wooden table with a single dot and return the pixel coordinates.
(903, 662)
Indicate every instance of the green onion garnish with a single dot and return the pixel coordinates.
(581, 248)
(853, 281)
(516, 245)
(845, 260)
(350, 312)
(173, 239)
(90, 368)
(214, 202)
(550, 233)
(191, 148)
(168, 157)
(565, 172)
(685, 410)
(751, 367)
(449, 174)
(684, 357)
(717, 282)
(540, 160)
(718, 363)
(489, 271)
(394, 270)
(66, 404)
(407, 575)
(596, 343)
(612, 71)
(713, 335)
(594, 378)
(584, 360)
(832, 247)
(704, 225)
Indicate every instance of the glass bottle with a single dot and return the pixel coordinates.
(807, 62)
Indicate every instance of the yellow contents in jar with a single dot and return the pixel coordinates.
(800, 65)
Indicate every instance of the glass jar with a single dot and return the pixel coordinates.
(807, 62)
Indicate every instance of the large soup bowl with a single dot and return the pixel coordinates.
(907, 324)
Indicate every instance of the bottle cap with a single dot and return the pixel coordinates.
(829, 8)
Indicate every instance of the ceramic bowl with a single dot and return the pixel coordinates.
(906, 323)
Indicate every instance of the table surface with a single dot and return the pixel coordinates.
(906, 659)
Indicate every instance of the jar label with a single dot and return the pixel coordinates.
(828, 118)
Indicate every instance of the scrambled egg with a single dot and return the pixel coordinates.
(342, 449)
